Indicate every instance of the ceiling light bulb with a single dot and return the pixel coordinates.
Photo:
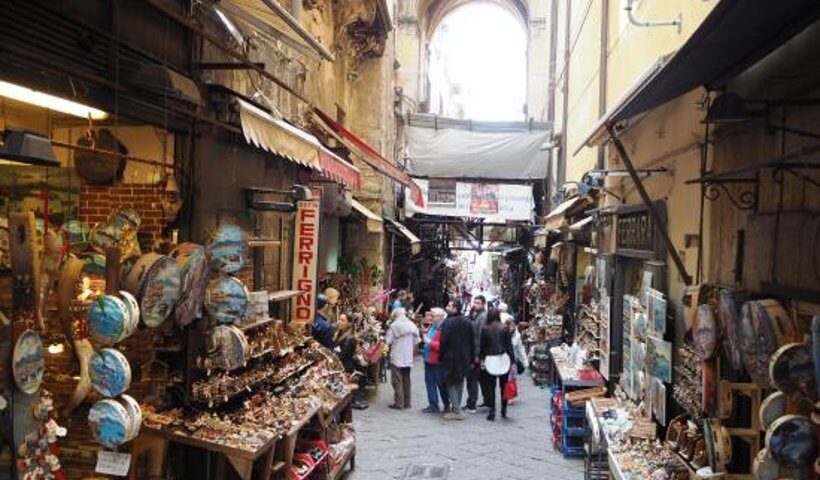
(44, 100)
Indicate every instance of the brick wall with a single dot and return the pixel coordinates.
(97, 203)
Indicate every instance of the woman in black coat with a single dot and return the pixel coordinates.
(495, 340)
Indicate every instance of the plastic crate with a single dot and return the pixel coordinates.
(573, 446)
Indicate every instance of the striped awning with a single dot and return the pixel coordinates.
(275, 135)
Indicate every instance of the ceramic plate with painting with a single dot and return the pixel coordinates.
(227, 347)
(657, 312)
(109, 422)
(228, 249)
(194, 271)
(764, 466)
(759, 338)
(108, 320)
(155, 281)
(791, 441)
(226, 300)
(28, 364)
(134, 415)
(133, 308)
(110, 372)
(791, 369)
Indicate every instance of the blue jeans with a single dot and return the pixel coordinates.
(433, 382)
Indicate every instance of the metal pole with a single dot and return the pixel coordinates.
(660, 225)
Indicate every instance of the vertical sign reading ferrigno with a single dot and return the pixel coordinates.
(305, 260)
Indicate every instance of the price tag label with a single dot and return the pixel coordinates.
(113, 463)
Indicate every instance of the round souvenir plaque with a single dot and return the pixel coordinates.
(109, 422)
(133, 308)
(227, 347)
(765, 467)
(108, 320)
(194, 271)
(226, 300)
(790, 439)
(228, 249)
(110, 372)
(155, 281)
(134, 414)
(730, 327)
(772, 408)
(28, 363)
(791, 369)
(705, 333)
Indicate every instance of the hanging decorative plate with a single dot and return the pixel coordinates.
(109, 422)
(108, 320)
(227, 347)
(791, 369)
(133, 308)
(228, 249)
(772, 408)
(729, 319)
(110, 372)
(791, 441)
(194, 272)
(764, 466)
(134, 415)
(28, 364)
(705, 333)
(226, 300)
(155, 281)
(758, 341)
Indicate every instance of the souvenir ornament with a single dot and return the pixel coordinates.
(109, 422)
(226, 300)
(28, 363)
(705, 333)
(759, 337)
(791, 441)
(134, 414)
(108, 320)
(730, 327)
(194, 271)
(227, 347)
(228, 249)
(791, 369)
(155, 281)
(133, 309)
(110, 372)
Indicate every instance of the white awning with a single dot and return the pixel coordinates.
(415, 242)
(278, 136)
(557, 217)
(374, 222)
(581, 224)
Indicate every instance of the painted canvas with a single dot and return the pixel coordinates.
(658, 357)
(657, 312)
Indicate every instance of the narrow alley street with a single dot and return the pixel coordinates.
(471, 449)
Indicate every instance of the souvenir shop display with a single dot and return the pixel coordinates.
(154, 280)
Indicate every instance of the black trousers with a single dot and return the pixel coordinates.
(473, 381)
(488, 383)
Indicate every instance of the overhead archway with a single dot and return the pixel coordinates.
(477, 59)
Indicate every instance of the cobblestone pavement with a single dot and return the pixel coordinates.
(518, 448)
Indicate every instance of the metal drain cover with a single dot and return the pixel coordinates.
(427, 472)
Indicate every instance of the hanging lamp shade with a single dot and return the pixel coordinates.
(27, 147)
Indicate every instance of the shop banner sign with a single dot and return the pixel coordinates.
(499, 201)
(306, 260)
(635, 231)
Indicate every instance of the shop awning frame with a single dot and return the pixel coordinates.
(734, 36)
(415, 242)
(557, 217)
(374, 222)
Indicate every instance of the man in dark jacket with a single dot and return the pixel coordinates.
(322, 330)
(457, 355)
(478, 317)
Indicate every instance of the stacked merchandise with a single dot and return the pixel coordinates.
(540, 366)
(544, 330)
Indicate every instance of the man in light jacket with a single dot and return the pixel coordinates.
(402, 338)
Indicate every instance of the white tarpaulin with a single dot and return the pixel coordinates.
(455, 153)
(493, 201)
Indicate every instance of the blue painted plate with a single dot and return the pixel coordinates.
(226, 300)
(194, 272)
(228, 249)
(108, 320)
(109, 422)
(790, 439)
(155, 281)
(110, 372)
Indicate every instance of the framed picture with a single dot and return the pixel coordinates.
(658, 358)
(604, 312)
(657, 312)
(658, 400)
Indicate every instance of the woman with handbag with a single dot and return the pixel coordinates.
(496, 355)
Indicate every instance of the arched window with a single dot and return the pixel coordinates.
(478, 64)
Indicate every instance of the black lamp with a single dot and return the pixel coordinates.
(22, 146)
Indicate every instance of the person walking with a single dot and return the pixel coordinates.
(432, 375)
(322, 330)
(496, 354)
(402, 338)
(478, 317)
(456, 355)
